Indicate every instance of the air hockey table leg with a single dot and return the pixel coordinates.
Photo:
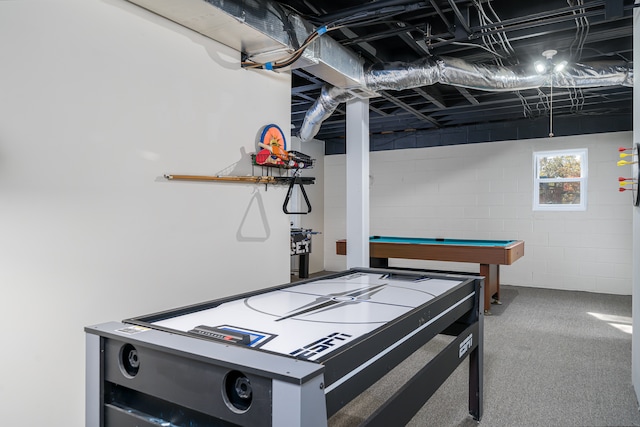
(476, 358)
(93, 399)
(476, 375)
(405, 403)
(299, 405)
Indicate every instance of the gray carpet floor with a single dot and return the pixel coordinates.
(551, 358)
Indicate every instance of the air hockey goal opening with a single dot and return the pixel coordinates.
(237, 392)
(129, 361)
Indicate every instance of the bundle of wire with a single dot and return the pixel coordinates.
(285, 62)
(362, 18)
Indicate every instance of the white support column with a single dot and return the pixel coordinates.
(358, 183)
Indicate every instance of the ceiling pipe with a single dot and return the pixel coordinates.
(380, 4)
(566, 13)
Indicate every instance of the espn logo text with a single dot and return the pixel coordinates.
(465, 346)
(315, 348)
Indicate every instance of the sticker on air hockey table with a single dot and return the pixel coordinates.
(234, 334)
(132, 329)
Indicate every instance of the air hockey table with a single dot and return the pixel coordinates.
(490, 254)
(291, 355)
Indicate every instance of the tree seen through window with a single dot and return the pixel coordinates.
(560, 192)
(560, 179)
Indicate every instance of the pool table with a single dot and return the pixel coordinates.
(490, 254)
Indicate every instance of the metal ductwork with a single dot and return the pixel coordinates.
(456, 72)
(265, 31)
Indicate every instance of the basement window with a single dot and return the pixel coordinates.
(560, 180)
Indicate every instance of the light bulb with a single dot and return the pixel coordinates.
(560, 66)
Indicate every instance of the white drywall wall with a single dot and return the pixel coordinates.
(99, 99)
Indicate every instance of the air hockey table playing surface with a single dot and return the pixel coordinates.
(330, 338)
(287, 320)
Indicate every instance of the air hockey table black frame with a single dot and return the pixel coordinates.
(177, 387)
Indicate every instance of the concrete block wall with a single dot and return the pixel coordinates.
(485, 191)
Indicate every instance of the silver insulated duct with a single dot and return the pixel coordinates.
(457, 72)
(264, 31)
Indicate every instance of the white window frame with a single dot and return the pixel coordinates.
(582, 206)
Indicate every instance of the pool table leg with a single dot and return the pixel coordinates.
(491, 273)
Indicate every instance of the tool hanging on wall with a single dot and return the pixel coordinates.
(296, 179)
(273, 155)
(634, 181)
(249, 179)
(293, 180)
(272, 141)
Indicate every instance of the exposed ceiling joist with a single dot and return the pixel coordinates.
(593, 30)
(410, 109)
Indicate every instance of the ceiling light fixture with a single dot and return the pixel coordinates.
(547, 65)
